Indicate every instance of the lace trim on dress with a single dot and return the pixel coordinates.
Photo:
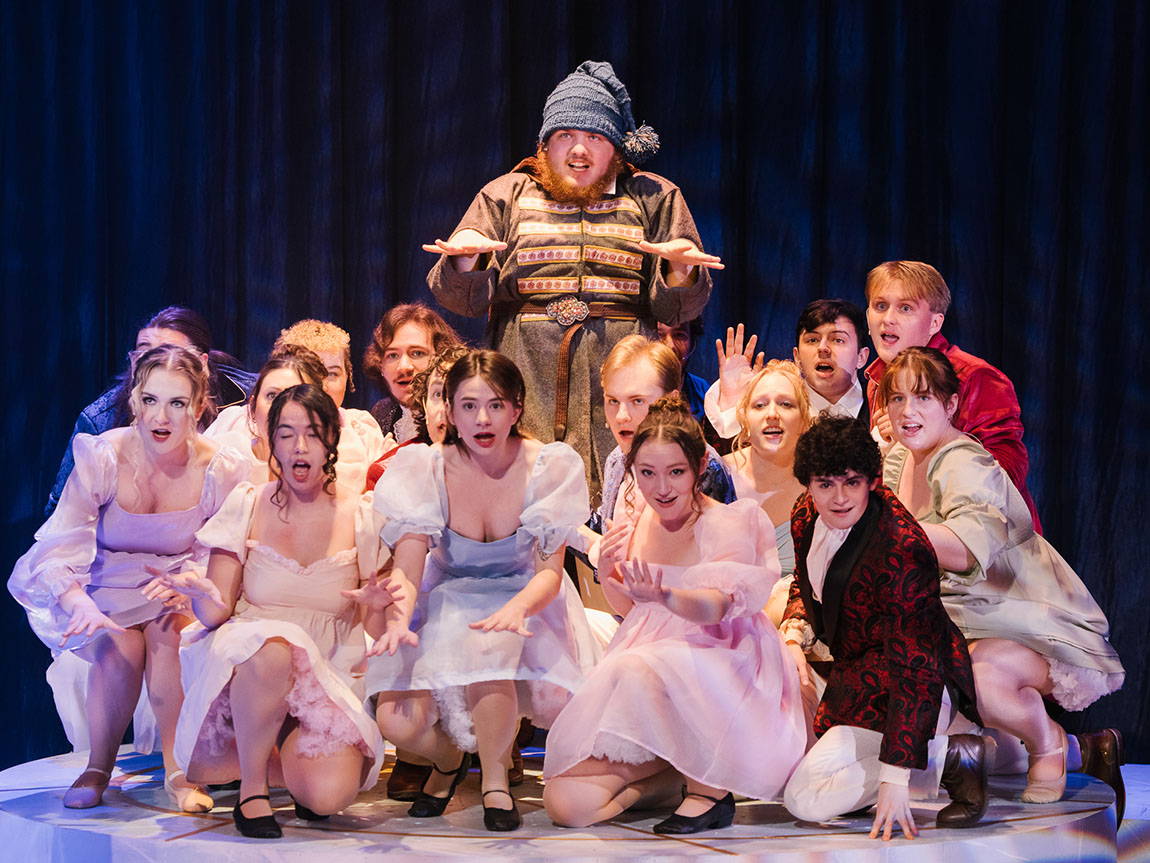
(539, 701)
(614, 748)
(1076, 688)
(324, 727)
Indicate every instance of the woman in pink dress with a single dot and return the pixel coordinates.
(695, 686)
(273, 669)
(129, 510)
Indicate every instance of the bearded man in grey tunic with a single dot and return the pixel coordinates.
(571, 251)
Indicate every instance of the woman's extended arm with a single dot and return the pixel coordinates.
(532, 599)
(702, 605)
(952, 554)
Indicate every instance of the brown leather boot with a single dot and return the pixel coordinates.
(964, 778)
(1103, 754)
(515, 772)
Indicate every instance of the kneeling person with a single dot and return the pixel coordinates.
(866, 585)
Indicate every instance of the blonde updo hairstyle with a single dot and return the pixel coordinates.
(633, 349)
(174, 359)
(669, 420)
(791, 372)
(320, 337)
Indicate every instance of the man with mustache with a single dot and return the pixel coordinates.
(571, 251)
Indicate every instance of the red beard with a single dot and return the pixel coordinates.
(564, 192)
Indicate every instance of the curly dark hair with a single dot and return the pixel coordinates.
(443, 360)
(834, 445)
(324, 417)
(437, 328)
(668, 420)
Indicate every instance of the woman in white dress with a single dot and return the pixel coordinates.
(273, 670)
(1033, 628)
(485, 629)
(129, 510)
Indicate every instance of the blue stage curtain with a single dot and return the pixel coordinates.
(268, 161)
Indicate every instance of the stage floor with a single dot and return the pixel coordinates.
(138, 823)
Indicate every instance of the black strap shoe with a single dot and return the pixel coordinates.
(427, 806)
(501, 820)
(260, 827)
(719, 815)
(964, 778)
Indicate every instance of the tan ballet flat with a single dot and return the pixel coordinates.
(189, 798)
(85, 795)
(1047, 790)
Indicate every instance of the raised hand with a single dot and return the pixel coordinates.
(643, 585)
(614, 545)
(376, 595)
(883, 425)
(737, 364)
(510, 618)
(191, 585)
(682, 252)
(893, 806)
(86, 618)
(465, 242)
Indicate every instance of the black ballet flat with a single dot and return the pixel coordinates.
(427, 806)
(719, 815)
(501, 820)
(305, 814)
(260, 827)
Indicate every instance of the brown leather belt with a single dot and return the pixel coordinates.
(569, 312)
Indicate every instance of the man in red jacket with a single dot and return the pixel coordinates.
(907, 302)
(866, 587)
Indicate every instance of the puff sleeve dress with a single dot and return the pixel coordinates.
(301, 605)
(465, 580)
(91, 540)
(720, 702)
(1019, 587)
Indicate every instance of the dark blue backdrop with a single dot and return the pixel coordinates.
(264, 162)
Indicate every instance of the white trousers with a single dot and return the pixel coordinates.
(840, 773)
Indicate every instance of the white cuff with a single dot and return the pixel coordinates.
(893, 775)
(725, 423)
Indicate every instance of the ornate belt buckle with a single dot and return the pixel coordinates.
(568, 310)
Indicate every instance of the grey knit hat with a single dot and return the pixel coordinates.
(593, 99)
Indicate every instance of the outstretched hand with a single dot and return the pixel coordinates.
(510, 618)
(737, 364)
(893, 806)
(682, 252)
(87, 619)
(614, 545)
(376, 594)
(465, 242)
(395, 634)
(640, 584)
(173, 589)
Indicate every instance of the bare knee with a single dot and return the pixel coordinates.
(271, 662)
(572, 803)
(404, 721)
(327, 792)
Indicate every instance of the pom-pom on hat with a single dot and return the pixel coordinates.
(593, 99)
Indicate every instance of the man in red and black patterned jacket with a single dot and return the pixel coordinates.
(866, 586)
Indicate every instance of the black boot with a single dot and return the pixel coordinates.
(964, 778)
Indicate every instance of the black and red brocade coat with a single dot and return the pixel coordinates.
(893, 644)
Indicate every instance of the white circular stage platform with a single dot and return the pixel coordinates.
(137, 823)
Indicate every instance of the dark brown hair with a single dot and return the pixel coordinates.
(930, 371)
(384, 334)
(669, 420)
(494, 369)
(440, 364)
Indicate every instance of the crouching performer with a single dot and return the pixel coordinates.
(866, 585)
